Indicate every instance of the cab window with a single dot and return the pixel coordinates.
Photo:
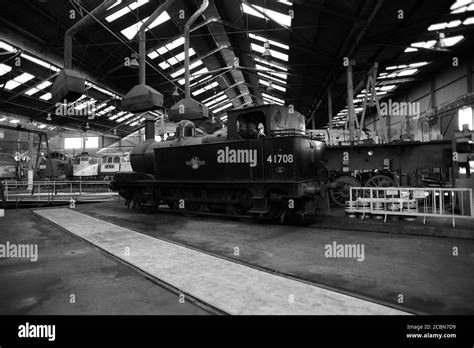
(248, 124)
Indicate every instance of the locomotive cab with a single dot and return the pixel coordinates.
(265, 121)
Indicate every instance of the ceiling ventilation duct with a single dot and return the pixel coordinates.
(141, 97)
(188, 108)
(70, 84)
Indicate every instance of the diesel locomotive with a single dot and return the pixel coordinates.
(263, 165)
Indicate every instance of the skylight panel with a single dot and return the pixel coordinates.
(205, 88)
(278, 87)
(276, 16)
(125, 10)
(201, 80)
(448, 42)
(266, 62)
(182, 81)
(191, 67)
(132, 30)
(444, 25)
(280, 75)
(214, 96)
(451, 41)
(216, 100)
(103, 90)
(285, 2)
(7, 47)
(175, 60)
(469, 21)
(275, 54)
(38, 88)
(40, 62)
(166, 48)
(407, 72)
(11, 85)
(226, 106)
(25, 77)
(126, 117)
(46, 96)
(268, 101)
(272, 98)
(273, 43)
(19, 80)
(196, 75)
(416, 65)
(271, 78)
(460, 3)
(4, 69)
(117, 115)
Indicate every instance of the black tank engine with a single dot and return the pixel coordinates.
(263, 165)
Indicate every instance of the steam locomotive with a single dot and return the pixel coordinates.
(263, 165)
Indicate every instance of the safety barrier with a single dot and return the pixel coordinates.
(410, 202)
(57, 191)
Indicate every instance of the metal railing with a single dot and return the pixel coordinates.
(411, 202)
(57, 191)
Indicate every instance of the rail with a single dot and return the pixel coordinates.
(411, 202)
(57, 191)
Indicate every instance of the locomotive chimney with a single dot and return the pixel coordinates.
(149, 127)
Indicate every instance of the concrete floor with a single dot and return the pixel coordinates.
(421, 268)
(67, 266)
(229, 286)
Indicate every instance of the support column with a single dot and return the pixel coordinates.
(30, 162)
(330, 107)
(350, 102)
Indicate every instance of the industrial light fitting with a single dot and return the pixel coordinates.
(440, 43)
(270, 86)
(48, 118)
(134, 64)
(175, 92)
(87, 126)
(266, 52)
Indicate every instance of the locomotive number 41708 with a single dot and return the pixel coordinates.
(280, 158)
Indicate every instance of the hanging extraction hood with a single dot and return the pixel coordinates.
(70, 84)
(188, 108)
(141, 97)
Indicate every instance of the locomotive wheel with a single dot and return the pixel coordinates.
(277, 205)
(380, 180)
(341, 194)
(240, 209)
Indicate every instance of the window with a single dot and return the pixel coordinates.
(92, 142)
(247, 124)
(465, 118)
(72, 143)
(116, 159)
(93, 160)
